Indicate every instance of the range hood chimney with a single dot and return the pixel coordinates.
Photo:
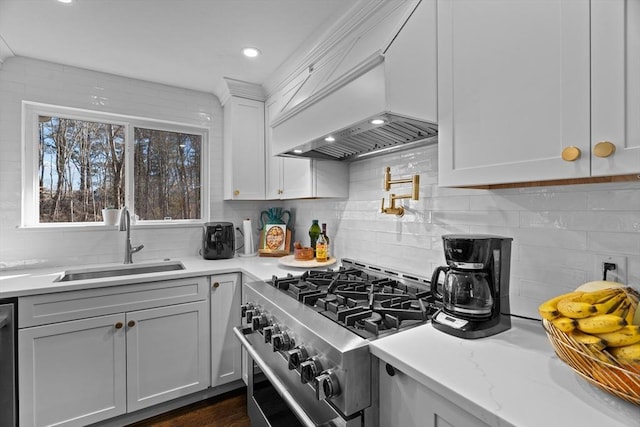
(385, 102)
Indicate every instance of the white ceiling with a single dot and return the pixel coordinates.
(185, 43)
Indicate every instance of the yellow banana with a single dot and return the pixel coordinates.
(592, 341)
(611, 304)
(601, 323)
(600, 296)
(630, 314)
(626, 335)
(628, 353)
(549, 309)
(576, 309)
(565, 324)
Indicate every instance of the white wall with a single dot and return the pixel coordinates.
(38, 81)
(557, 231)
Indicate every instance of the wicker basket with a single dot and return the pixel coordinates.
(598, 367)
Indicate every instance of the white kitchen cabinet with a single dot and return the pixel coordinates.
(291, 178)
(406, 402)
(90, 355)
(72, 373)
(167, 353)
(532, 91)
(513, 90)
(226, 364)
(243, 148)
(615, 86)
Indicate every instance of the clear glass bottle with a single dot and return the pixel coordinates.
(314, 233)
(321, 249)
(327, 240)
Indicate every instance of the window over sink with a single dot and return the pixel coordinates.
(79, 162)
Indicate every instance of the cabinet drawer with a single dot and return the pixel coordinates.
(59, 307)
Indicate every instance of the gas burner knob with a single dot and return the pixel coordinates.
(282, 341)
(259, 321)
(249, 315)
(245, 307)
(309, 369)
(296, 356)
(327, 385)
(269, 332)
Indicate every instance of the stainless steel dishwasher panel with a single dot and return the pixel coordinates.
(8, 386)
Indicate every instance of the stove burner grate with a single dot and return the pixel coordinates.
(368, 305)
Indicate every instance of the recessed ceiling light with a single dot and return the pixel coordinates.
(251, 52)
(377, 122)
(65, 1)
(329, 139)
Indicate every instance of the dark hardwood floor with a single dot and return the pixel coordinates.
(227, 410)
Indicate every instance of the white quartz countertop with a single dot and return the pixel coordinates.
(17, 283)
(510, 379)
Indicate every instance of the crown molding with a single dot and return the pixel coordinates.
(5, 51)
(229, 87)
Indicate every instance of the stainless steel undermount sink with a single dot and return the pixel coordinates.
(118, 270)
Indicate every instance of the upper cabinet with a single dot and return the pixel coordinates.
(291, 178)
(243, 147)
(527, 90)
(615, 86)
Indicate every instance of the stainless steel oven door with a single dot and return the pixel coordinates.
(275, 395)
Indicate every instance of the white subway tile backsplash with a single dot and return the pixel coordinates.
(623, 200)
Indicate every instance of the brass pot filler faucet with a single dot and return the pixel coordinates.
(388, 182)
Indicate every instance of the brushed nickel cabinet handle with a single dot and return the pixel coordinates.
(571, 154)
(118, 325)
(604, 149)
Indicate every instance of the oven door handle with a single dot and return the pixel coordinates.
(274, 380)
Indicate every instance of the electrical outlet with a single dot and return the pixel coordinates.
(617, 275)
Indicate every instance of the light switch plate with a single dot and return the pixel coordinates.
(617, 275)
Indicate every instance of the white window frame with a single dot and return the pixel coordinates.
(30, 160)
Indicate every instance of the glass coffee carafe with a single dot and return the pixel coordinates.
(465, 293)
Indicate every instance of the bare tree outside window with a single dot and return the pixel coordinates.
(167, 174)
(82, 171)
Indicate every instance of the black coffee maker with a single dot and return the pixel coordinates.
(474, 286)
(218, 240)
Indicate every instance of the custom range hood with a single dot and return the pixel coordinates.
(376, 93)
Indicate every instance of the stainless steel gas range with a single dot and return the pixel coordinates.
(309, 338)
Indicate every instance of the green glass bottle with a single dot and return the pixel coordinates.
(314, 233)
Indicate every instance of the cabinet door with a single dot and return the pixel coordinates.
(244, 150)
(615, 86)
(226, 363)
(167, 353)
(287, 178)
(72, 373)
(407, 403)
(513, 90)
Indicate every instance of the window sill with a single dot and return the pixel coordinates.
(93, 227)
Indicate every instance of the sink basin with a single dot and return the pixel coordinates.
(119, 270)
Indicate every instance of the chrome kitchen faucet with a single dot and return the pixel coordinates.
(125, 225)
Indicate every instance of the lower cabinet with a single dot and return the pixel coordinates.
(81, 371)
(406, 402)
(72, 373)
(226, 365)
